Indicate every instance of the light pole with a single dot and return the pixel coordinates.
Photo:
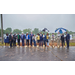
(2, 28)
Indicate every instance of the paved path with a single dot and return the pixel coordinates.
(36, 54)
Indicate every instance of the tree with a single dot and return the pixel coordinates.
(27, 30)
(17, 31)
(35, 31)
(9, 29)
(3, 32)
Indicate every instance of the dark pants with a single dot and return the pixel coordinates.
(44, 42)
(11, 43)
(63, 43)
(22, 42)
(67, 43)
(41, 43)
(31, 42)
(34, 42)
(27, 42)
(19, 42)
(14, 43)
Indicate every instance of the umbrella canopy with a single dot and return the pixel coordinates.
(45, 29)
(60, 30)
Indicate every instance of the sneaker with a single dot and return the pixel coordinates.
(9, 46)
(4, 46)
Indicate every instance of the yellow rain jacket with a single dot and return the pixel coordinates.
(38, 37)
(47, 37)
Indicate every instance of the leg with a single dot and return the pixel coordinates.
(15, 42)
(22, 42)
(67, 44)
(62, 43)
(28, 42)
(5, 44)
(19, 42)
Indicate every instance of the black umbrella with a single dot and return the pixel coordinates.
(45, 29)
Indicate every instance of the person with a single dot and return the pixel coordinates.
(31, 35)
(14, 40)
(47, 39)
(18, 39)
(6, 39)
(41, 39)
(34, 39)
(44, 39)
(27, 39)
(62, 40)
(67, 39)
(53, 39)
(22, 38)
(38, 39)
(58, 39)
(11, 39)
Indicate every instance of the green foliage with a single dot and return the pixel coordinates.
(35, 31)
(27, 30)
(17, 31)
(9, 29)
(3, 32)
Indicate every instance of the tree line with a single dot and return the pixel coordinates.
(35, 31)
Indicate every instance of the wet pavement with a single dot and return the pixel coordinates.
(36, 54)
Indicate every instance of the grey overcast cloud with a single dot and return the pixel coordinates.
(50, 21)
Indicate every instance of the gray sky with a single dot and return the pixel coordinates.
(50, 21)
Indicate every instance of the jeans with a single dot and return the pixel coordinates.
(44, 41)
(48, 43)
(11, 43)
(22, 42)
(67, 43)
(34, 42)
(41, 43)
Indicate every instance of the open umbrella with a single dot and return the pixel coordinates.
(60, 30)
(45, 29)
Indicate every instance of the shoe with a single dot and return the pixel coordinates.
(9, 46)
(4, 46)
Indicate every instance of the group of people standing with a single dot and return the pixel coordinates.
(38, 40)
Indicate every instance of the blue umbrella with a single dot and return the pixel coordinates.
(60, 30)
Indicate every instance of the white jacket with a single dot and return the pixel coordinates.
(52, 38)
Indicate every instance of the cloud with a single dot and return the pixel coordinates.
(50, 21)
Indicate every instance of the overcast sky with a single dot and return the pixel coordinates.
(50, 21)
